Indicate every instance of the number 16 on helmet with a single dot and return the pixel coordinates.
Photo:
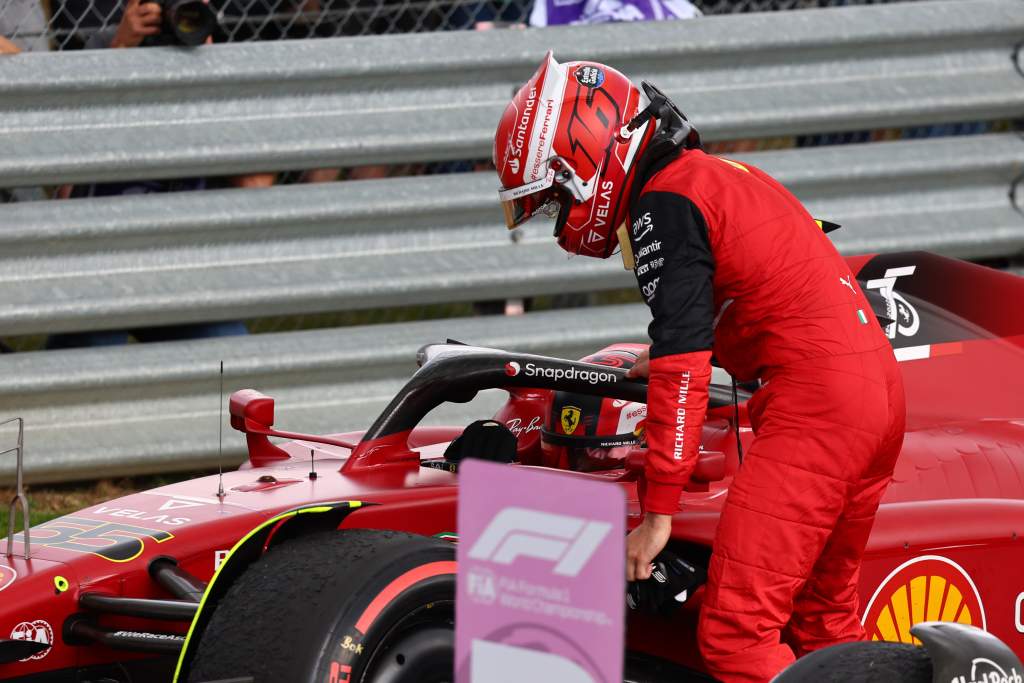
(564, 148)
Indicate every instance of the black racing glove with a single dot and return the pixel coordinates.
(673, 580)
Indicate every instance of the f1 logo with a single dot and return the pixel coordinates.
(516, 532)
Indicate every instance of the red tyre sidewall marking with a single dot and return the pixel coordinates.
(399, 585)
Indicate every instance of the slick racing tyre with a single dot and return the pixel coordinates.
(874, 662)
(356, 606)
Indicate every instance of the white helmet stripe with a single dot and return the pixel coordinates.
(545, 120)
(637, 136)
(634, 144)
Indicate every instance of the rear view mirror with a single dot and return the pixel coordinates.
(251, 411)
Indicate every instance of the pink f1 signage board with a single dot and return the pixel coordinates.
(541, 579)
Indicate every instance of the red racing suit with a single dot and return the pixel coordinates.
(732, 264)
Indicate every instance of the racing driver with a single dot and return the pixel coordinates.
(729, 263)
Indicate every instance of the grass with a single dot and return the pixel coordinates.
(48, 502)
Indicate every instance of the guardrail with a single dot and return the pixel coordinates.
(158, 259)
(155, 407)
(304, 104)
(177, 258)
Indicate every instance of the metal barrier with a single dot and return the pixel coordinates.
(154, 407)
(164, 259)
(164, 112)
(159, 259)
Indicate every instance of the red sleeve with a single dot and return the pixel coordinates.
(677, 399)
(674, 269)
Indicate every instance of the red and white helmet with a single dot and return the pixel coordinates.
(564, 147)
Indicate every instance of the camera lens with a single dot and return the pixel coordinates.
(191, 21)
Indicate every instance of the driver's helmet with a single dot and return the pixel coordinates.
(566, 146)
(589, 433)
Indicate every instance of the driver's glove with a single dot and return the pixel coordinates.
(673, 580)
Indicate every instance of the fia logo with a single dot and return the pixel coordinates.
(37, 631)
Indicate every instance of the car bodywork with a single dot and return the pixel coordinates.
(111, 590)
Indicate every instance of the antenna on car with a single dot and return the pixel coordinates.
(220, 435)
(19, 494)
(312, 464)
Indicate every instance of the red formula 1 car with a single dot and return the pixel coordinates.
(349, 575)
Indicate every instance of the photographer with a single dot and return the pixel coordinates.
(143, 24)
(139, 21)
(150, 23)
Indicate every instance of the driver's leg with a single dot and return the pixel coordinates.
(815, 427)
(826, 610)
(763, 553)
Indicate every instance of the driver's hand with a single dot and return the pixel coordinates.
(644, 543)
(642, 367)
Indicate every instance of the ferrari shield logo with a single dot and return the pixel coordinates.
(570, 419)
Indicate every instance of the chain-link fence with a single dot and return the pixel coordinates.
(76, 24)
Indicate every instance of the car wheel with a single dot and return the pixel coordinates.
(875, 662)
(354, 606)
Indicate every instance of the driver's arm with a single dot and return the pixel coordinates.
(674, 269)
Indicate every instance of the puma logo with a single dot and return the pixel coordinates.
(847, 282)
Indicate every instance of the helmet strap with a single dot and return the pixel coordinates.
(674, 128)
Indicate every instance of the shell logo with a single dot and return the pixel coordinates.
(926, 588)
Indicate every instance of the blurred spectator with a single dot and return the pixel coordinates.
(73, 340)
(321, 175)
(7, 47)
(25, 23)
(140, 21)
(944, 129)
(557, 12)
